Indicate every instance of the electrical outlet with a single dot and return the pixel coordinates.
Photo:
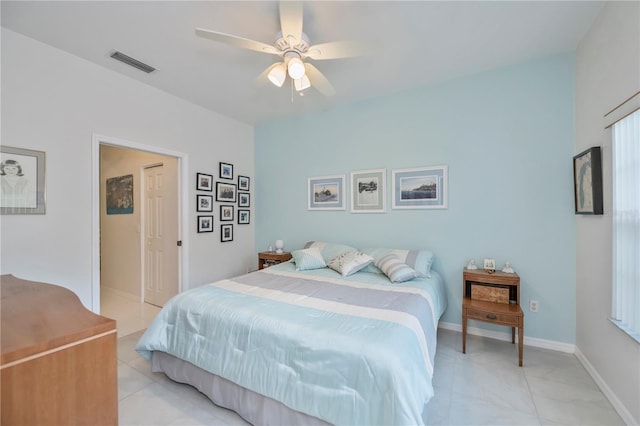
(533, 305)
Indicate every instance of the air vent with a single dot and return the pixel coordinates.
(132, 62)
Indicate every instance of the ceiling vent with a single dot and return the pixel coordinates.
(132, 62)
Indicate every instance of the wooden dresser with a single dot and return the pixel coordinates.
(59, 360)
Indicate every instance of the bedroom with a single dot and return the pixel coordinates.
(521, 122)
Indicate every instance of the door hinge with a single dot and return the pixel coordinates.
(179, 243)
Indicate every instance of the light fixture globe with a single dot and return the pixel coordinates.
(302, 83)
(295, 68)
(277, 75)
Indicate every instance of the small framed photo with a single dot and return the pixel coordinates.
(226, 192)
(226, 233)
(204, 203)
(490, 264)
(243, 216)
(226, 171)
(587, 180)
(243, 183)
(226, 212)
(244, 199)
(205, 224)
(204, 182)
(419, 188)
(22, 176)
(368, 191)
(326, 193)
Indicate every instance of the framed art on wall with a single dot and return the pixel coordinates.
(244, 199)
(204, 203)
(205, 224)
(326, 193)
(226, 171)
(243, 183)
(119, 195)
(226, 233)
(243, 217)
(587, 180)
(22, 181)
(419, 188)
(226, 192)
(368, 191)
(204, 182)
(226, 212)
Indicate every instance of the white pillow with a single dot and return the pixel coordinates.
(350, 262)
(306, 259)
(395, 269)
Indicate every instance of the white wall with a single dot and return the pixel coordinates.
(53, 102)
(607, 73)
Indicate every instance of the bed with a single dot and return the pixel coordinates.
(301, 343)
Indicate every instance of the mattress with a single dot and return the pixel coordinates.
(345, 350)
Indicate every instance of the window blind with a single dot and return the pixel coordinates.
(626, 224)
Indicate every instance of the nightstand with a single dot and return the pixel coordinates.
(270, 258)
(493, 298)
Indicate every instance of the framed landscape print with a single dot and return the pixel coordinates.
(226, 192)
(368, 191)
(120, 195)
(226, 171)
(204, 203)
(326, 193)
(204, 182)
(587, 180)
(22, 178)
(243, 183)
(226, 212)
(243, 217)
(244, 199)
(226, 233)
(419, 188)
(205, 224)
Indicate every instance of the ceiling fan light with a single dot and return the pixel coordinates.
(277, 75)
(296, 68)
(302, 83)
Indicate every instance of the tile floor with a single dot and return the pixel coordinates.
(483, 387)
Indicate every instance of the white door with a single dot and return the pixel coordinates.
(160, 234)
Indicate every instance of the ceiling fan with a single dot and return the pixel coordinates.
(293, 46)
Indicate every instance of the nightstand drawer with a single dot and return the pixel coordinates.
(497, 318)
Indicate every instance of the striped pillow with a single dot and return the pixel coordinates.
(306, 259)
(395, 269)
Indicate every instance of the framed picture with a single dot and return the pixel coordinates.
(490, 264)
(368, 191)
(226, 171)
(244, 199)
(226, 233)
(243, 217)
(326, 193)
(119, 195)
(226, 212)
(226, 192)
(243, 183)
(419, 188)
(205, 224)
(204, 182)
(204, 203)
(22, 178)
(587, 180)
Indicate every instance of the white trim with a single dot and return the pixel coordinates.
(529, 341)
(183, 226)
(626, 108)
(622, 411)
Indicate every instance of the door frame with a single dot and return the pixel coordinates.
(183, 179)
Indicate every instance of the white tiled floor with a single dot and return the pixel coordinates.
(485, 386)
(131, 315)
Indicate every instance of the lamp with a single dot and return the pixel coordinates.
(279, 246)
(302, 83)
(277, 75)
(295, 68)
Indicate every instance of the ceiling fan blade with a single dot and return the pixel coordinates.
(237, 41)
(318, 80)
(291, 21)
(337, 50)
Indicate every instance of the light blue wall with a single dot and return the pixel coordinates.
(507, 137)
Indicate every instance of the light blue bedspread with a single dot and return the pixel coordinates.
(354, 351)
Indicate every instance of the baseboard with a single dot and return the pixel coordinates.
(622, 411)
(121, 293)
(529, 341)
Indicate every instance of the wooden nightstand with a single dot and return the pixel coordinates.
(270, 258)
(492, 298)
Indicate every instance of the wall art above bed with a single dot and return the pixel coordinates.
(369, 191)
(419, 188)
(326, 193)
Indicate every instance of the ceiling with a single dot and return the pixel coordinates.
(415, 43)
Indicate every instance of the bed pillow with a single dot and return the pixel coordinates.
(306, 259)
(396, 269)
(350, 262)
(329, 250)
(419, 260)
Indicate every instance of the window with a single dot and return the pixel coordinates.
(626, 224)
